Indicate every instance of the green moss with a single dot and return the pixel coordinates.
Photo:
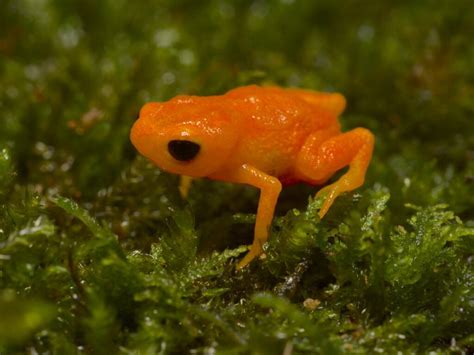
(99, 253)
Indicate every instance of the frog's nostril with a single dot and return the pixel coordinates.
(183, 150)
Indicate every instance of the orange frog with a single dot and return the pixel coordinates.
(260, 136)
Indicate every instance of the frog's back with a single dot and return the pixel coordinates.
(273, 107)
(275, 123)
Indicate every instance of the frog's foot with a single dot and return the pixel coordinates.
(255, 251)
(330, 192)
(318, 160)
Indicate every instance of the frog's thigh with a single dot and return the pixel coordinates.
(331, 102)
(270, 188)
(318, 161)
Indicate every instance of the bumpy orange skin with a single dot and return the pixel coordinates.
(260, 136)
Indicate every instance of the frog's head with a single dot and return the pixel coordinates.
(186, 135)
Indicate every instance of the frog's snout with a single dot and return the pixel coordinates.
(139, 135)
(136, 132)
(143, 126)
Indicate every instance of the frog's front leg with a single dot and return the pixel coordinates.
(270, 188)
(317, 161)
(184, 185)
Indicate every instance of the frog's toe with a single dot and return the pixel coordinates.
(254, 252)
(330, 193)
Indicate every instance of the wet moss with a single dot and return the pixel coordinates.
(99, 253)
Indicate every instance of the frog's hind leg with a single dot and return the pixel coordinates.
(318, 160)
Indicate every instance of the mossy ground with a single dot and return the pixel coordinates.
(98, 252)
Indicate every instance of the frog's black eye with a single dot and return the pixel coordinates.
(183, 150)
